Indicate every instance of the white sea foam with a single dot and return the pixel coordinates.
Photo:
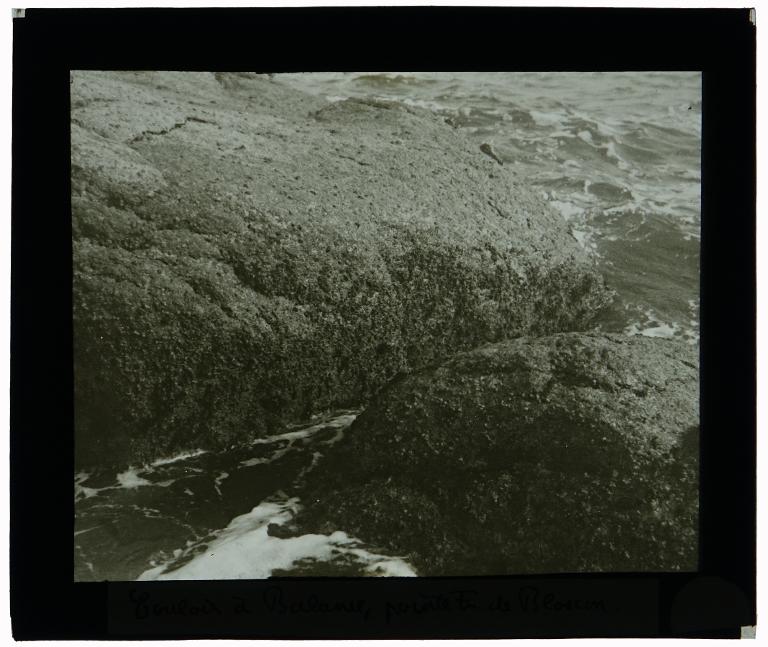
(261, 460)
(663, 330)
(568, 210)
(244, 550)
(130, 479)
(585, 239)
(434, 106)
(178, 457)
(340, 421)
(653, 326)
(291, 435)
(251, 462)
(82, 492)
(612, 153)
(316, 456)
(336, 437)
(217, 482)
(83, 556)
(381, 565)
(551, 118)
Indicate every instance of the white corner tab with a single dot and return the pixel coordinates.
(748, 632)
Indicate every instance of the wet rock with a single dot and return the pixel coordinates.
(246, 255)
(566, 453)
(280, 531)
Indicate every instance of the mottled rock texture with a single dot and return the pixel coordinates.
(565, 453)
(246, 255)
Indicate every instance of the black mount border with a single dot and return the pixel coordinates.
(46, 604)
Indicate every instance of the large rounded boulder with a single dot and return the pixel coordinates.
(565, 453)
(246, 255)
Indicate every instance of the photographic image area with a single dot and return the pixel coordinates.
(385, 324)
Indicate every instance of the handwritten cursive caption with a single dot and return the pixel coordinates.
(274, 600)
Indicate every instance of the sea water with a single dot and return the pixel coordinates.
(204, 515)
(616, 154)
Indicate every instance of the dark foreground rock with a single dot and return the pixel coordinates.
(245, 255)
(567, 453)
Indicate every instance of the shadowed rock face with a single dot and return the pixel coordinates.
(245, 255)
(566, 453)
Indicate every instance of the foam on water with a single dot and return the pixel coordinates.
(549, 119)
(136, 477)
(264, 460)
(340, 423)
(568, 210)
(574, 215)
(662, 330)
(218, 481)
(85, 492)
(612, 153)
(316, 456)
(176, 534)
(81, 491)
(651, 324)
(89, 565)
(179, 457)
(584, 238)
(245, 550)
(130, 479)
(343, 420)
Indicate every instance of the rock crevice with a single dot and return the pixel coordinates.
(143, 135)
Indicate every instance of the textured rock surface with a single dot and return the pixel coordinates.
(245, 255)
(572, 452)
